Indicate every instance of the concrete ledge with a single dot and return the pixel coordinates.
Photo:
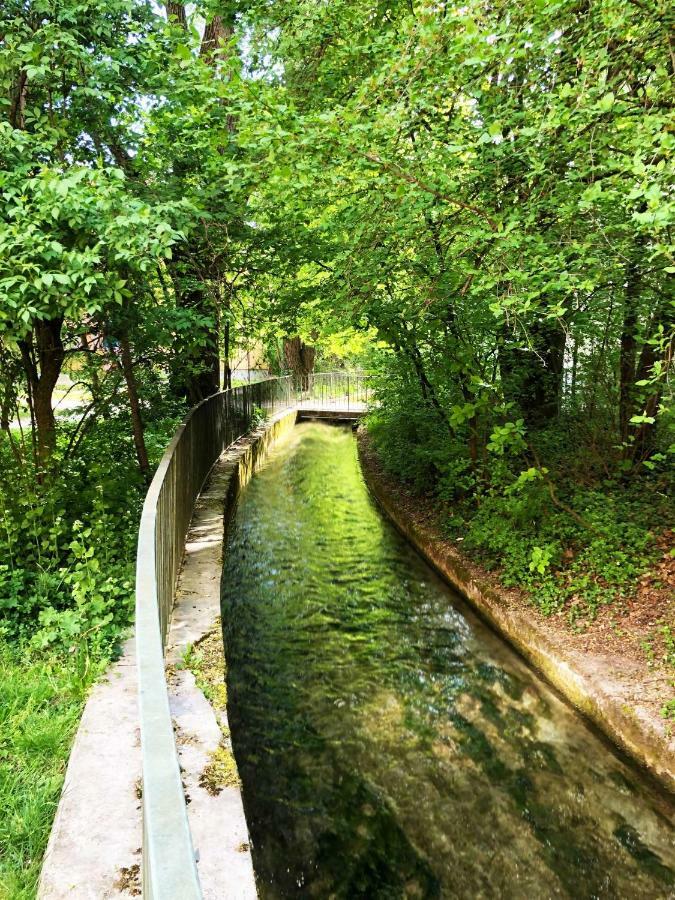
(208, 769)
(587, 681)
(94, 849)
(330, 415)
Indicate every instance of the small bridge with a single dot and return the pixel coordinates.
(169, 868)
(334, 395)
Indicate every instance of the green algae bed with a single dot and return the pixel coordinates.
(389, 744)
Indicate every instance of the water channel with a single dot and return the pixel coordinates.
(389, 744)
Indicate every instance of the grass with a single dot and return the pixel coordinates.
(206, 661)
(41, 700)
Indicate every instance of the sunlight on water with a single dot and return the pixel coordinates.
(389, 744)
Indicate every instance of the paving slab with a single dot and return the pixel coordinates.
(94, 849)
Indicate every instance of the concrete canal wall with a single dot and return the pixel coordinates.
(603, 687)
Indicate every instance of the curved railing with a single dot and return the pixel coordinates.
(169, 866)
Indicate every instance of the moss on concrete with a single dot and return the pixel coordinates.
(221, 771)
(206, 661)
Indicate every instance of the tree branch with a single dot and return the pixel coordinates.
(395, 169)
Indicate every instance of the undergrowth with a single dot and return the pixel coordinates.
(67, 551)
(563, 564)
(575, 537)
(41, 700)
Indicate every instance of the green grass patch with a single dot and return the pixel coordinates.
(41, 700)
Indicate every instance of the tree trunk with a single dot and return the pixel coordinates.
(645, 434)
(10, 372)
(575, 366)
(17, 108)
(196, 359)
(135, 407)
(176, 11)
(300, 360)
(532, 376)
(216, 33)
(42, 355)
(628, 353)
(426, 387)
(227, 370)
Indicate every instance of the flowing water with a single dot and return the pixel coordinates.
(389, 744)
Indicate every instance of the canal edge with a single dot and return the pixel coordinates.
(208, 768)
(599, 697)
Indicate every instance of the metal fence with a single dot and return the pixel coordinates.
(169, 867)
(344, 390)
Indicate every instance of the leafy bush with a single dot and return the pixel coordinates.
(571, 545)
(69, 547)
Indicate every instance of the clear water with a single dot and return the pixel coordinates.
(389, 744)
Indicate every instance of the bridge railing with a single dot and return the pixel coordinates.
(346, 390)
(169, 867)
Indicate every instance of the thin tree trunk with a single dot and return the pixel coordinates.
(8, 402)
(227, 373)
(575, 366)
(42, 375)
(644, 437)
(628, 354)
(428, 391)
(135, 407)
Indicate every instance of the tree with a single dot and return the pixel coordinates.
(490, 190)
(71, 224)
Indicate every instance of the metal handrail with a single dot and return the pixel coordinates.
(169, 870)
(169, 867)
(343, 389)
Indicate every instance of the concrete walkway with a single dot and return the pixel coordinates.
(94, 849)
(215, 810)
